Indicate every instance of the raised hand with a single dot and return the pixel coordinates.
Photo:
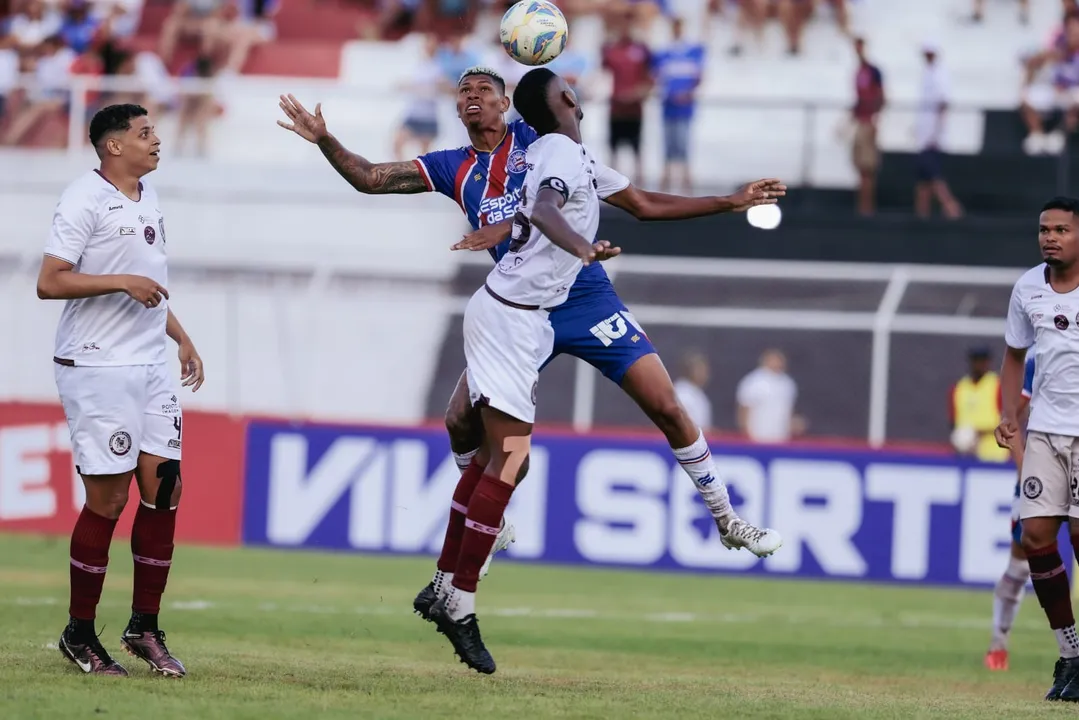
(761, 192)
(311, 128)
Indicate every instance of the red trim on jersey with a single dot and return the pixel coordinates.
(462, 176)
(425, 175)
(497, 173)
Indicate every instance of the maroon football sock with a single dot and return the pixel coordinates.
(455, 528)
(1051, 585)
(90, 542)
(151, 548)
(484, 517)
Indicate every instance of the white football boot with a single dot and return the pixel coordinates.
(506, 534)
(740, 534)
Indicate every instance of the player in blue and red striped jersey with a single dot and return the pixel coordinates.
(1009, 591)
(485, 179)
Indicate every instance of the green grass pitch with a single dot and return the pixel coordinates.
(273, 634)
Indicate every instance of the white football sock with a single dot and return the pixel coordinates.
(696, 460)
(463, 460)
(459, 603)
(1068, 641)
(1007, 597)
(441, 581)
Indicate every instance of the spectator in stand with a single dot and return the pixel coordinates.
(196, 19)
(454, 56)
(766, 398)
(1052, 84)
(30, 28)
(396, 17)
(52, 71)
(929, 132)
(752, 15)
(196, 111)
(78, 28)
(978, 13)
(121, 16)
(869, 90)
(796, 14)
(678, 70)
(690, 389)
(421, 119)
(629, 63)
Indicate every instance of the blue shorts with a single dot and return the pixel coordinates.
(599, 329)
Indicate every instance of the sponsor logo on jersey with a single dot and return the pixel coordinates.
(115, 207)
(1061, 322)
(127, 231)
(150, 234)
(90, 347)
(161, 228)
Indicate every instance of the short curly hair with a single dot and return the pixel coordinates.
(113, 119)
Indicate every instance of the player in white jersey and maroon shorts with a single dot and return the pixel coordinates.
(106, 257)
(508, 333)
(1044, 313)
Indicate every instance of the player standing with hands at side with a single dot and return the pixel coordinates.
(106, 257)
(1044, 312)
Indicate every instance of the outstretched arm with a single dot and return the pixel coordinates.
(392, 178)
(645, 205)
(367, 177)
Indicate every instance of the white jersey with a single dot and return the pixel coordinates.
(536, 272)
(1039, 316)
(101, 231)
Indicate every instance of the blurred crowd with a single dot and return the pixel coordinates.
(50, 42)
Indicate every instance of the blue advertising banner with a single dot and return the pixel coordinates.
(625, 502)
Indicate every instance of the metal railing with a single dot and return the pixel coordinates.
(804, 144)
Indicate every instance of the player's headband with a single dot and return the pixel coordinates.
(485, 71)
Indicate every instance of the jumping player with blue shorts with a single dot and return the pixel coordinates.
(485, 179)
(1009, 591)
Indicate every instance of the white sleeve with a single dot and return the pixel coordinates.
(560, 166)
(609, 181)
(72, 225)
(1019, 332)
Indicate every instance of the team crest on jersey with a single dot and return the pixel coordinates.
(120, 443)
(516, 163)
(150, 234)
(1061, 322)
(1032, 487)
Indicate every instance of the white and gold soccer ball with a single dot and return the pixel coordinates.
(534, 32)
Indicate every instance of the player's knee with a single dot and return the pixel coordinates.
(169, 485)
(1033, 539)
(108, 502)
(461, 426)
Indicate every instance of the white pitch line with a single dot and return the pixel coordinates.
(792, 616)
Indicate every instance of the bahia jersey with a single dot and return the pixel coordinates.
(488, 186)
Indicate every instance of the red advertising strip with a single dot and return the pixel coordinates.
(40, 491)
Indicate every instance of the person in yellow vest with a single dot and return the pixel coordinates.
(975, 410)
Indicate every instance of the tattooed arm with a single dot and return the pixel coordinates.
(398, 178)
(374, 179)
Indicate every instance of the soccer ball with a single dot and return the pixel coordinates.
(534, 32)
(964, 439)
